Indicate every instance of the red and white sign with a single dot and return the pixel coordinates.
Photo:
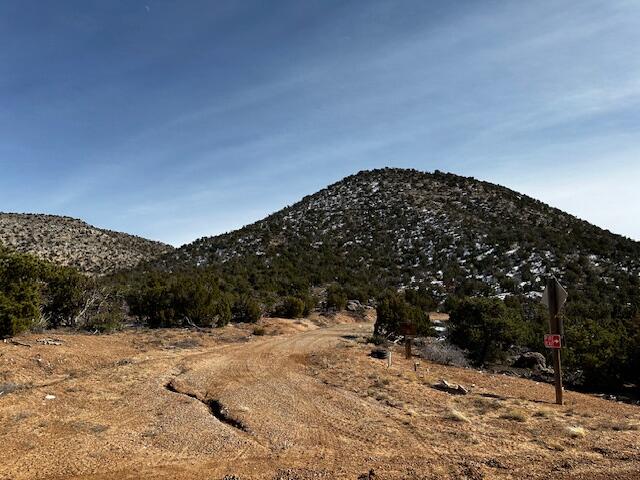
(552, 341)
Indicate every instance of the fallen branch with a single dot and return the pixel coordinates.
(452, 388)
(49, 341)
(190, 323)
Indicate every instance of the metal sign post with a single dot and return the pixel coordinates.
(554, 297)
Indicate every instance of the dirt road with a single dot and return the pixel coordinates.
(310, 404)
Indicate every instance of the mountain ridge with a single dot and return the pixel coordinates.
(390, 227)
(73, 242)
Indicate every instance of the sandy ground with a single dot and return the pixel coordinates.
(300, 402)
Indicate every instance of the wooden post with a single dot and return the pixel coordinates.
(557, 369)
(555, 328)
(407, 347)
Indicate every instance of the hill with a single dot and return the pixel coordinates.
(71, 242)
(404, 228)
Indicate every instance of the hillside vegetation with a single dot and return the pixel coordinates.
(74, 243)
(408, 242)
(407, 229)
(447, 237)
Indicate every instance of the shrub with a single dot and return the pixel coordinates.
(456, 416)
(32, 290)
(483, 326)
(107, 316)
(336, 298)
(444, 354)
(514, 414)
(246, 309)
(17, 312)
(291, 307)
(171, 300)
(421, 298)
(376, 339)
(65, 295)
(600, 348)
(394, 312)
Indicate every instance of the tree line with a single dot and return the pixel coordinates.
(602, 335)
(601, 349)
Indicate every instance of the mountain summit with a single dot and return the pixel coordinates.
(405, 228)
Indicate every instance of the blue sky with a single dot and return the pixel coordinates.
(176, 120)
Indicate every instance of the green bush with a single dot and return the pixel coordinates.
(291, 307)
(246, 309)
(421, 298)
(20, 292)
(18, 311)
(485, 327)
(65, 294)
(336, 298)
(394, 313)
(376, 340)
(169, 300)
(32, 289)
(600, 351)
(602, 348)
(106, 317)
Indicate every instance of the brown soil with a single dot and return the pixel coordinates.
(310, 403)
(439, 316)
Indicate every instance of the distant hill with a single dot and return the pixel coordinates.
(404, 228)
(72, 242)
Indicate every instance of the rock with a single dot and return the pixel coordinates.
(371, 475)
(50, 397)
(452, 388)
(493, 463)
(381, 353)
(542, 371)
(353, 305)
(530, 360)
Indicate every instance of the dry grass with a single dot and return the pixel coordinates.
(551, 445)
(186, 343)
(457, 416)
(381, 382)
(259, 331)
(619, 426)
(543, 413)
(514, 414)
(486, 405)
(302, 397)
(576, 432)
(410, 411)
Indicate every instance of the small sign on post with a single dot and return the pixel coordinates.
(554, 297)
(553, 341)
(409, 330)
